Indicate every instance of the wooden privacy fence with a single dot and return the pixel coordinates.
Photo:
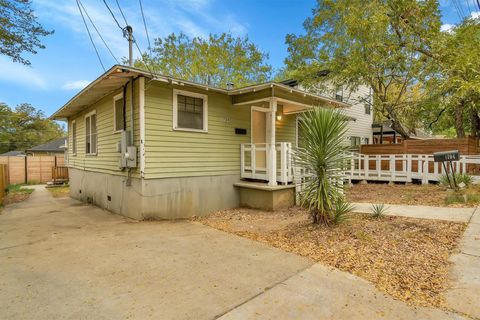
(466, 146)
(31, 169)
(3, 181)
(406, 167)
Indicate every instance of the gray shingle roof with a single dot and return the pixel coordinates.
(57, 145)
(13, 153)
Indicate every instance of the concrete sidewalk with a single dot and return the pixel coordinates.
(325, 293)
(423, 212)
(464, 294)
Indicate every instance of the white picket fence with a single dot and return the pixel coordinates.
(405, 167)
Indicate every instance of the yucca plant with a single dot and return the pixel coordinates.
(324, 155)
(378, 210)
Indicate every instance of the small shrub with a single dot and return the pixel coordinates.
(378, 210)
(459, 178)
(341, 211)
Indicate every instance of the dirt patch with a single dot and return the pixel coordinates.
(59, 192)
(404, 257)
(413, 194)
(17, 193)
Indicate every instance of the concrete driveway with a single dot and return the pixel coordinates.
(60, 259)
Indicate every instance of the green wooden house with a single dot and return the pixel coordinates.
(150, 146)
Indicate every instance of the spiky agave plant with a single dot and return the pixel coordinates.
(323, 155)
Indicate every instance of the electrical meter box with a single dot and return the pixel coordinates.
(128, 152)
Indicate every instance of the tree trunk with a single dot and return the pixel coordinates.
(475, 120)
(397, 126)
(459, 128)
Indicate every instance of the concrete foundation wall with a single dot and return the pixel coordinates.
(271, 200)
(168, 198)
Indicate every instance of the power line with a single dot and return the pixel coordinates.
(93, 24)
(146, 30)
(478, 4)
(113, 16)
(121, 12)
(90, 36)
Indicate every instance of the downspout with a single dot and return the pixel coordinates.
(141, 129)
(131, 112)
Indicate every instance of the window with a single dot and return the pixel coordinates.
(74, 137)
(355, 142)
(365, 140)
(339, 93)
(118, 115)
(190, 111)
(367, 108)
(91, 133)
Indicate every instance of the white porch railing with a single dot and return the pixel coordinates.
(405, 167)
(254, 161)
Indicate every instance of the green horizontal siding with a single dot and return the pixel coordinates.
(107, 157)
(173, 153)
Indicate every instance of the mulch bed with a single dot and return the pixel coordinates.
(404, 257)
(411, 194)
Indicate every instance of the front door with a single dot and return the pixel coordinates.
(259, 137)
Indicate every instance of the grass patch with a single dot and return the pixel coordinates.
(59, 192)
(462, 198)
(405, 257)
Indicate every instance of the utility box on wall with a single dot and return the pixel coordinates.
(128, 152)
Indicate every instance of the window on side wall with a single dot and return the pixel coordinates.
(339, 93)
(91, 133)
(118, 115)
(355, 142)
(190, 111)
(368, 108)
(74, 137)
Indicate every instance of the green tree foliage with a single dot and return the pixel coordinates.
(324, 156)
(25, 127)
(216, 61)
(385, 44)
(19, 30)
(455, 85)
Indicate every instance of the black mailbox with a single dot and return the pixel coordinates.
(453, 155)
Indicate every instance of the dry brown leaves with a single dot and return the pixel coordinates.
(14, 197)
(404, 257)
(413, 194)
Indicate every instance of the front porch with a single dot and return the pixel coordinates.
(266, 163)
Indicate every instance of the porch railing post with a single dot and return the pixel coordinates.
(252, 157)
(272, 168)
(242, 160)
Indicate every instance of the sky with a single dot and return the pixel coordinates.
(69, 61)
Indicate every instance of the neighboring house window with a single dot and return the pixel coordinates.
(367, 108)
(190, 111)
(339, 93)
(365, 140)
(355, 141)
(91, 133)
(74, 137)
(118, 114)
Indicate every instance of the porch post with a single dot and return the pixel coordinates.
(272, 154)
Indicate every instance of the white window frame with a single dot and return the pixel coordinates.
(115, 98)
(88, 115)
(74, 138)
(175, 110)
